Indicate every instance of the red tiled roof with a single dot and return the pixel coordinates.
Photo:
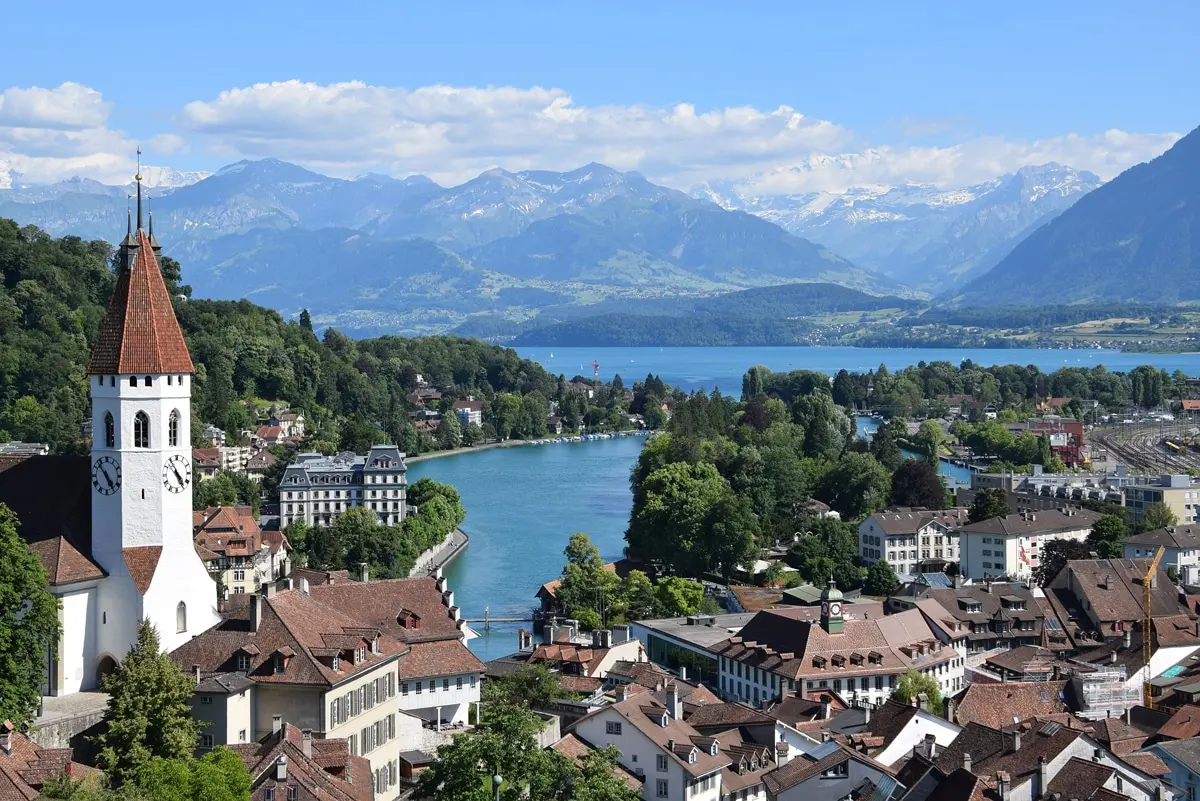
(269, 432)
(206, 457)
(64, 563)
(139, 332)
(1001, 705)
(1183, 725)
(330, 774)
(142, 561)
(439, 658)
(28, 767)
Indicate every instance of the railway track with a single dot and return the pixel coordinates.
(1141, 448)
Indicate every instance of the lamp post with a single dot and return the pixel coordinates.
(497, 780)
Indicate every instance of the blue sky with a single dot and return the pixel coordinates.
(946, 92)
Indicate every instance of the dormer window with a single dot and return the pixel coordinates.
(875, 658)
(819, 662)
(692, 757)
(360, 655)
(337, 662)
(375, 645)
(243, 662)
(839, 661)
(712, 749)
(278, 663)
(664, 720)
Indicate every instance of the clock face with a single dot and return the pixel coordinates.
(106, 475)
(835, 609)
(177, 474)
(825, 608)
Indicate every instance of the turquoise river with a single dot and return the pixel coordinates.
(523, 503)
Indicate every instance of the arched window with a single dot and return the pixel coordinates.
(181, 618)
(141, 430)
(173, 429)
(133, 380)
(110, 431)
(148, 381)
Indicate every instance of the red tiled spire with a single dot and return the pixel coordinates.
(139, 333)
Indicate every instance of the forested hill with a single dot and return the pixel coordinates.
(53, 293)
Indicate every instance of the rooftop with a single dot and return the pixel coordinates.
(702, 631)
(1028, 524)
(1172, 537)
(1000, 705)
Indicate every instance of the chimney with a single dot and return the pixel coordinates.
(268, 590)
(782, 751)
(1003, 784)
(671, 745)
(622, 693)
(255, 611)
(287, 582)
(1097, 754)
(930, 746)
(276, 723)
(306, 743)
(1108, 582)
(6, 732)
(304, 586)
(866, 714)
(949, 706)
(967, 761)
(281, 768)
(364, 572)
(1113, 657)
(683, 672)
(673, 706)
(196, 672)
(1043, 776)
(825, 708)
(1017, 740)
(1128, 638)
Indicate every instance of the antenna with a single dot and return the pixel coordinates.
(138, 178)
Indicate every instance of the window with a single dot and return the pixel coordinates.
(612, 727)
(419, 688)
(181, 618)
(404, 688)
(838, 771)
(268, 794)
(242, 736)
(173, 429)
(110, 431)
(206, 741)
(205, 700)
(661, 788)
(458, 683)
(291, 792)
(445, 684)
(660, 763)
(243, 662)
(149, 381)
(141, 430)
(133, 381)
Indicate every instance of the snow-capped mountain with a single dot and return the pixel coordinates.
(6, 176)
(168, 178)
(924, 236)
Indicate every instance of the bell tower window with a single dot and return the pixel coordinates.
(141, 430)
(149, 381)
(173, 429)
(133, 380)
(110, 431)
(181, 618)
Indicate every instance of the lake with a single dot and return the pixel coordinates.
(705, 368)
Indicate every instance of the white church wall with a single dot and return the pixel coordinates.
(181, 577)
(77, 661)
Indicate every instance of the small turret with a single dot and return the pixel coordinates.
(831, 609)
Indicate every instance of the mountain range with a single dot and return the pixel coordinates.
(927, 238)
(376, 253)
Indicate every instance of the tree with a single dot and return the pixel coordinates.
(1107, 536)
(929, 439)
(637, 596)
(530, 685)
(881, 579)
(678, 597)
(917, 483)
(988, 503)
(1054, 557)
(449, 432)
(672, 513)
(600, 778)
(148, 712)
(472, 435)
(28, 623)
(913, 684)
(885, 449)
(856, 486)
(586, 583)
(220, 775)
(1157, 515)
(306, 320)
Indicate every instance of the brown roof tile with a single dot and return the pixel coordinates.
(139, 332)
(330, 774)
(1183, 725)
(64, 563)
(23, 771)
(439, 658)
(142, 561)
(1080, 778)
(1147, 762)
(1001, 705)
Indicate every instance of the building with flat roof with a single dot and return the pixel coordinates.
(686, 642)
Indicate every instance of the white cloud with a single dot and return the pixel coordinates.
(51, 134)
(454, 133)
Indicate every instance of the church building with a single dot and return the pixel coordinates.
(114, 529)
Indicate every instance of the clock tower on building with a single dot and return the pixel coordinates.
(831, 609)
(140, 376)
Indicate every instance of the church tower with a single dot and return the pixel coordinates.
(140, 375)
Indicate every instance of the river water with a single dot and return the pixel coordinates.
(524, 503)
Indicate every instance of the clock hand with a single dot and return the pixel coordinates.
(107, 477)
(178, 477)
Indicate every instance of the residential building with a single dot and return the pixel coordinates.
(238, 554)
(258, 464)
(674, 761)
(214, 435)
(289, 763)
(290, 422)
(982, 617)
(371, 662)
(1098, 600)
(1181, 550)
(831, 773)
(911, 540)
(317, 489)
(1009, 546)
(469, 411)
(1182, 758)
(114, 530)
(267, 435)
(890, 732)
(576, 749)
(25, 766)
(779, 652)
(206, 462)
(1177, 493)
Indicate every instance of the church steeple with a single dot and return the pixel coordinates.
(138, 178)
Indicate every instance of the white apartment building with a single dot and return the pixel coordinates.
(1010, 546)
(317, 488)
(1181, 550)
(910, 539)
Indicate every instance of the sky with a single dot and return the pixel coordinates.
(773, 97)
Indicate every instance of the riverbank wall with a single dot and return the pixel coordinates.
(441, 554)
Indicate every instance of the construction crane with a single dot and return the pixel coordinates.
(1147, 623)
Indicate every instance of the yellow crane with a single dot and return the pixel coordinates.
(1147, 636)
